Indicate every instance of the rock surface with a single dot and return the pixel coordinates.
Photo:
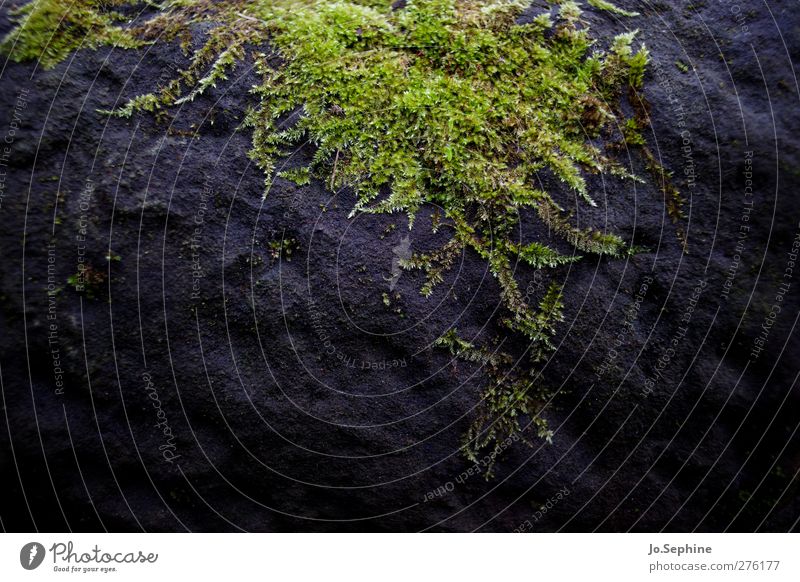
(203, 384)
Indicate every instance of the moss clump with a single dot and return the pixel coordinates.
(613, 8)
(281, 250)
(513, 392)
(445, 102)
(88, 281)
(49, 30)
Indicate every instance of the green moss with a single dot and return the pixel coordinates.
(444, 102)
(49, 30)
(88, 281)
(513, 393)
(282, 249)
(300, 176)
(673, 200)
(609, 7)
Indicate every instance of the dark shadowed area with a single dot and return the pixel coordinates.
(236, 362)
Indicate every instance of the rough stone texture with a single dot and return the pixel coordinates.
(277, 430)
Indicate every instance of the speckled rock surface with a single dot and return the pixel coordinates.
(206, 385)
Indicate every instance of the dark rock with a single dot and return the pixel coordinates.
(210, 386)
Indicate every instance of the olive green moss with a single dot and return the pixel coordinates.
(439, 102)
(609, 7)
(49, 30)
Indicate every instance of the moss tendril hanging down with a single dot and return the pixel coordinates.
(446, 102)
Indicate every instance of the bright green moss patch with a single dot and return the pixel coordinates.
(444, 102)
(613, 8)
(49, 30)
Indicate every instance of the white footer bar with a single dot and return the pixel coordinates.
(400, 557)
